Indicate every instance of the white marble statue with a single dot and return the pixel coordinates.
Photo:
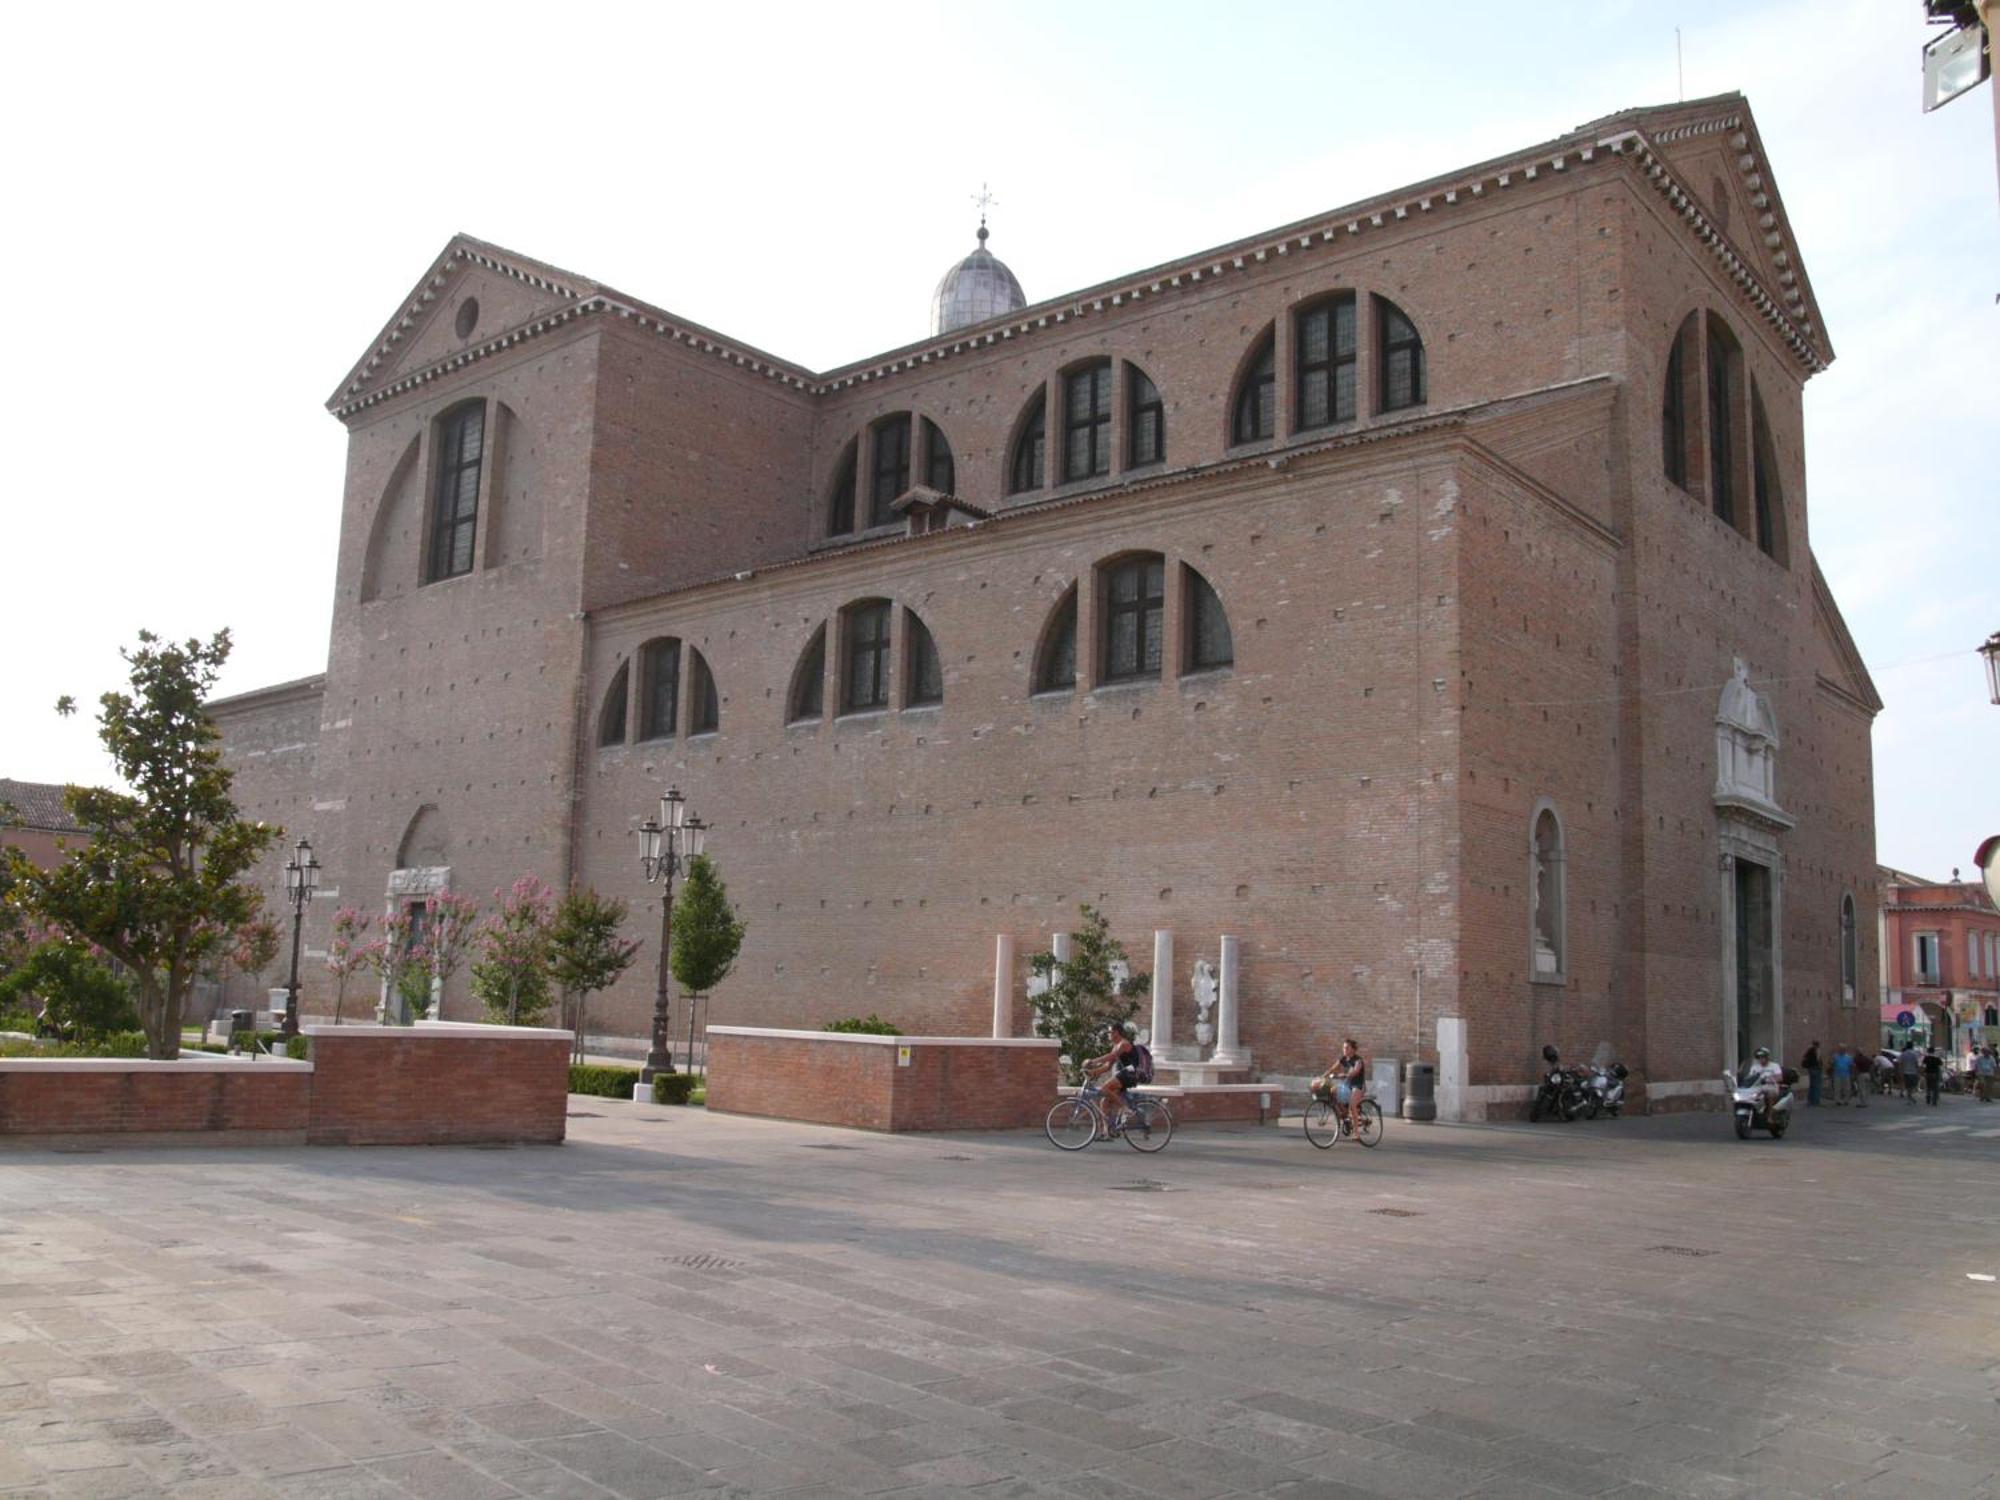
(1204, 1001)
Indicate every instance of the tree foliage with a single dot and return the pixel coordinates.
(450, 925)
(159, 884)
(586, 954)
(707, 934)
(347, 952)
(71, 989)
(1084, 997)
(510, 967)
(402, 963)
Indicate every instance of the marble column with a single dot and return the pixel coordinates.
(1061, 946)
(1003, 985)
(1229, 1051)
(1163, 992)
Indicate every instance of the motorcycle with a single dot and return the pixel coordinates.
(1562, 1091)
(1604, 1088)
(1754, 1112)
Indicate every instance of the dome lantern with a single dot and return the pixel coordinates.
(976, 289)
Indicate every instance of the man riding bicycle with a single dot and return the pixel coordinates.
(1117, 1070)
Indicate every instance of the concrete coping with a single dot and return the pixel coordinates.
(441, 1028)
(203, 1062)
(1184, 1090)
(869, 1039)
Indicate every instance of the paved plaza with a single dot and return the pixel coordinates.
(675, 1303)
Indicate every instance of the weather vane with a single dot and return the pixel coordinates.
(985, 199)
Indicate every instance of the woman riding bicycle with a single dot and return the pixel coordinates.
(1118, 1071)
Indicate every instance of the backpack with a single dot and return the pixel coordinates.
(1142, 1062)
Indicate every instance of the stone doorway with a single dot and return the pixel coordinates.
(1756, 967)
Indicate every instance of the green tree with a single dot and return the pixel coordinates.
(399, 960)
(1084, 998)
(510, 971)
(707, 934)
(159, 884)
(586, 954)
(346, 951)
(75, 993)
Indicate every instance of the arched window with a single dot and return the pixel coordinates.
(1548, 959)
(806, 702)
(1055, 661)
(1849, 950)
(891, 468)
(1087, 421)
(611, 718)
(1766, 492)
(461, 434)
(1674, 402)
(1025, 470)
(864, 656)
(1133, 594)
(1325, 360)
(704, 704)
(1145, 420)
(923, 670)
(1209, 644)
(1725, 364)
(940, 473)
(1256, 409)
(659, 687)
(1399, 359)
(840, 500)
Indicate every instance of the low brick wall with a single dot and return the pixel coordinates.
(438, 1083)
(198, 1096)
(882, 1082)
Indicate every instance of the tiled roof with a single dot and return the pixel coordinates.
(37, 804)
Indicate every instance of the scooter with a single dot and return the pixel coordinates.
(1753, 1112)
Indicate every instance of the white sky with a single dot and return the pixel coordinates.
(214, 209)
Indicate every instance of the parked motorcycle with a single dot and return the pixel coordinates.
(1754, 1112)
(1562, 1091)
(1604, 1088)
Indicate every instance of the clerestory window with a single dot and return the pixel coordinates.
(1134, 595)
(455, 504)
(1087, 421)
(1255, 415)
(1145, 420)
(1325, 359)
(1025, 471)
(659, 688)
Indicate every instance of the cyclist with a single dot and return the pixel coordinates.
(1118, 1070)
(1349, 1075)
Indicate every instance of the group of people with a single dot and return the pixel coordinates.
(1851, 1072)
(1115, 1071)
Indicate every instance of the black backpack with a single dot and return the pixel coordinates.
(1142, 1062)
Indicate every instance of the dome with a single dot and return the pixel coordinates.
(977, 288)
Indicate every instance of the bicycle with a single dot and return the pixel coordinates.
(1078, 1119)
(1327, 1123)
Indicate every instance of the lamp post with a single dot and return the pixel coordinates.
(1991, 652)
(301, 880)
(669, 842)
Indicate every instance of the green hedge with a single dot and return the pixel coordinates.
(298, 1048)
(869, 1025)
(672, 1088)
(605, 1083)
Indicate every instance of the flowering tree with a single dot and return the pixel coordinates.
(510, 973)
(586, 954)
(346, 951)
(402, 963)
(450, 923)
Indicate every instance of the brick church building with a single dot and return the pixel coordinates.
(1421, 593)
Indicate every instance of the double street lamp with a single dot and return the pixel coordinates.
(668, 842)
(301, 880)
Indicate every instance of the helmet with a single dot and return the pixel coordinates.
(1763, 1054)
(1549, 1054)
(1128, 1030)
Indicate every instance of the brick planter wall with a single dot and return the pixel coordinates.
(438, 1083)
(201, 1096)
(836, 1078)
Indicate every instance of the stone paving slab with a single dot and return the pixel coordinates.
(678, 1305)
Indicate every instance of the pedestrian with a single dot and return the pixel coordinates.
(1843, 1074)
(1933, 1075)
(1986, 1067)
(1906, 1070)
(1811, 1066)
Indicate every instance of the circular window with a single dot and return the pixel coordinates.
(468, 317)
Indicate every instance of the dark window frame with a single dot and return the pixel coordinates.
(455, 497)
(667, 650)
(1673, 414)
(923, 667)
(704, 702)
(940, 468)
(1341, 317)
(1087, 433)
(889, 468)
(612, 717)
(1058, 648)
(1390, 347)
(1146, 608)
(1722, 379)
(1254, 413)
(865, 648)
(840, 502)
(1200, 598)
(1139, 407)
(1027, 465)
(806, 703)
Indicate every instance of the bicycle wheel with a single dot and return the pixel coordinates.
(1370, 1133)
(1322, 1124)
(1153, 1128)
(1072, 1124)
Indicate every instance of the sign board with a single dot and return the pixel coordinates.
(902, 1056)
(1905, 1018)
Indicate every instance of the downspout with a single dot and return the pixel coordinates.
(578, 698)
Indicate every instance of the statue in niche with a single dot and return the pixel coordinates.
(1204, 1001)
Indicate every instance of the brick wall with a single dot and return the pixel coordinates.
(268, 1099)
(949, 1083)
(438, 1084)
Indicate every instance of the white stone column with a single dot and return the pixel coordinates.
(1003, 985)
(1061, 946)
(1163, 992)
(1229, 1051)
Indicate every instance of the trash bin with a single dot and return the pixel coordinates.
(1420, 1091)
(1382, 1084)
(242, 1023)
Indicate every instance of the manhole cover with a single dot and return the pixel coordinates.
(1677, 1250)
(1143, 1185)
(706, 1262)
(955, 1157)
(827, 1146)
(1396, 1213)
(584, 1114)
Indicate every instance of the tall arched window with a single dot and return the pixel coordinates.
(806, 702)
(1255, 415)
(1675, 396)
(1055, 659)
(1766, 491)
(864, 656)
(1548, 955)
(1132, 594)
(1145, 420)
(455, 503)
(923, 682)
(1209, 644)
(611, 718)
(1399, 359)
(1025, 470)
(1725, 363)
(1849, 951)
(659, 687)
(1087, 421)
(704, 704)
(940, 473)
(891, 468)
(1324, 360)
(840, 499)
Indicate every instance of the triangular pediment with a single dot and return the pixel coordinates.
(1721, 178)
(473, 294)
(1839, 667)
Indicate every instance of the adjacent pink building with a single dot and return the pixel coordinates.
(1940, 961)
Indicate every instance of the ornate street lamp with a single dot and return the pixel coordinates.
(301, 880)
(1991, 651)
(667, 844)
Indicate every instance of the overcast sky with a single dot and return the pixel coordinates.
(215, 209)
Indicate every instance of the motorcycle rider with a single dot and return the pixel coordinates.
(1764, 1076)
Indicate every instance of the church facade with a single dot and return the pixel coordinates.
(1420, 594)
